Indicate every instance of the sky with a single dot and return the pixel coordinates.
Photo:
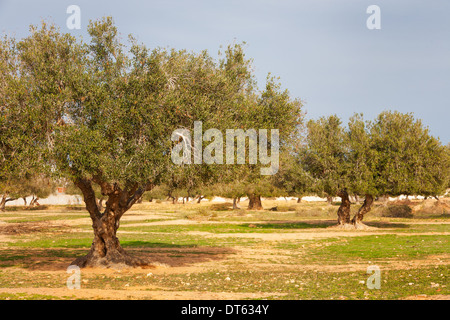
(322, 50)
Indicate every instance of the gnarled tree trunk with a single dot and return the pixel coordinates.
(344, 209)
(254, 202)
(106, 250)
(365, 208)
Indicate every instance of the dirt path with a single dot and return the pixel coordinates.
(133, 293)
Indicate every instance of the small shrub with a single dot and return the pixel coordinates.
(221, 206)
(397, 211)
(285, 208)
(74, 208)
(201, 214)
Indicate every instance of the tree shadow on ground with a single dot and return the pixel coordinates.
(283, 224)
(381, 225)
(181, 256)
(316, 224)
(156, 253)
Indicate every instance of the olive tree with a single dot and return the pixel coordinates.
(292, 179)
(409, 160)
(273, 109)
(362, 159)
(18, 131)
(391, 155)
(326, 160)
(103, 116)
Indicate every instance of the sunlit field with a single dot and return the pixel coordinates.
(288, 250)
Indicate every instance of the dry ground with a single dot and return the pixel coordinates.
(197, 253)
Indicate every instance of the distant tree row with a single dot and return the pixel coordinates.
(390, 156)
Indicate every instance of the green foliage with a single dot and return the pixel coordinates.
(325, 154)
(408, 160)
(39, 186)
(392, 155)
(18, 137)
(99, 112)
(292, 179)
(362, 157)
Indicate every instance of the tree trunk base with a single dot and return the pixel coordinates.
(254, 202)
(118, 259)
(352, 227)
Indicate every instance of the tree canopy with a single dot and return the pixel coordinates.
(392, 155)
(102, 114)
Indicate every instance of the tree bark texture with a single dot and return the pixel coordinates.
(106, 250)
(254, 202)
(365, 208)
(344, 209)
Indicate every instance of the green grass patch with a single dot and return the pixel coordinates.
(267, 227)
(395, 284)
(146, 239)
(370, 248)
